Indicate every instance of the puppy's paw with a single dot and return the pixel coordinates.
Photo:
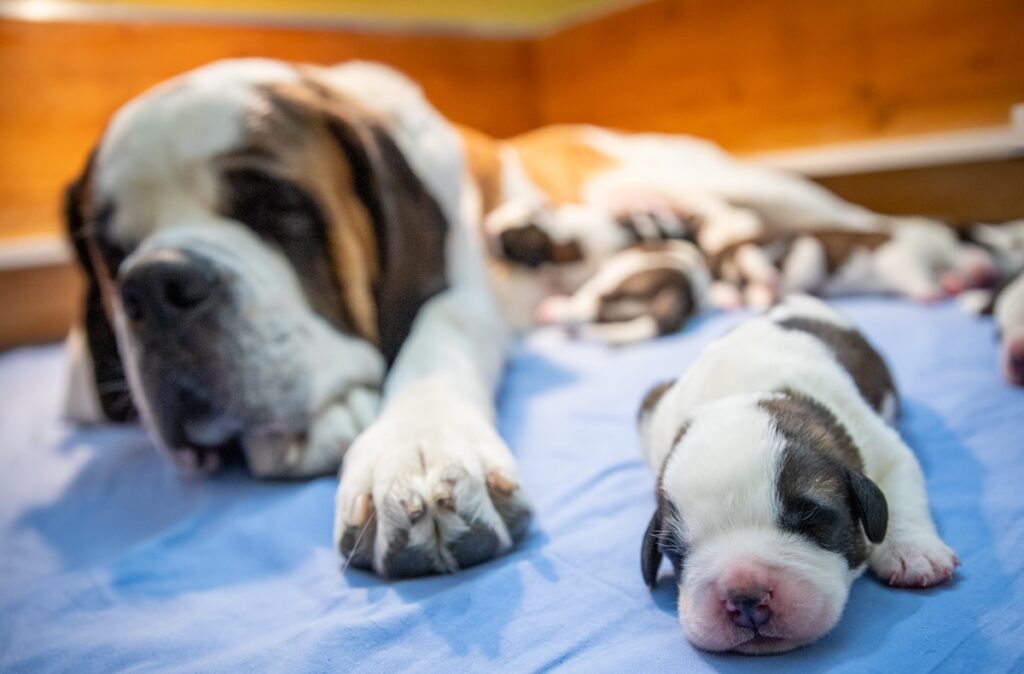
(431, 492)
(919, 562)
(194, 463)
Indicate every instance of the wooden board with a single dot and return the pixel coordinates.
(60, 82)
(40, 304)
(756, 75)
(987, 191)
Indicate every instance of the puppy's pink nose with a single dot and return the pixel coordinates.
(749, 608)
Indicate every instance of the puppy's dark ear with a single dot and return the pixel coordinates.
(650, 552)
(652, 398)
(97, 369)
(870, 506)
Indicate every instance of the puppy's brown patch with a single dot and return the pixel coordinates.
(863, 363)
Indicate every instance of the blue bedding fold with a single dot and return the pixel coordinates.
(110, 561)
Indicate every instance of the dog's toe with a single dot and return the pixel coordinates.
(432, 519)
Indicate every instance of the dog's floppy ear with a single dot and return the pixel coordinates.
(409, 225)
(650, 551)
(97, 388)
(870, 506)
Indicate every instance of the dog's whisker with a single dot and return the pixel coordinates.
(359, 537)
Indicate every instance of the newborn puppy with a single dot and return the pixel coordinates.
(779, 479)
(1009, 314)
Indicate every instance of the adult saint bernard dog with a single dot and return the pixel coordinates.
(299, 264)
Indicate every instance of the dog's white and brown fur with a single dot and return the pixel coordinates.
(309, 267)
(572, 193)
(779, 479)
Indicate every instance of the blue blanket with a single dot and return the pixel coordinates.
(110, 561)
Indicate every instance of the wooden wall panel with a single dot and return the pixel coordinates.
(59, 83)
(962, 194)
(757, 75)
(40, 303)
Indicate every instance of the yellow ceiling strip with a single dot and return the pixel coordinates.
(521, 14)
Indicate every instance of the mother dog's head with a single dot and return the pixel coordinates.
(257, 243)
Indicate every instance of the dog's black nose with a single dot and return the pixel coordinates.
(749, 610)
(162, 286)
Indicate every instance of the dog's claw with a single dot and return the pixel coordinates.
(360, 512)
(500, 482)
(414, 507)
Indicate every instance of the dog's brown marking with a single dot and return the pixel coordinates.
(83, 217)
(855, 354)
(821, 486)
(299, 136)
(387, 233)
(483, 162)
(559, 161)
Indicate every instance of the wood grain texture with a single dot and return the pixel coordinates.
(40, 303)
(756, 75)
(60, 82)
(961, 194)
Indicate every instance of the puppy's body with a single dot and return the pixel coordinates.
(779, 480)
(1009, 316)
(563, 199)
(1006, 299)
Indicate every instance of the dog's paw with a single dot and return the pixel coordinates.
(319, 448)
(427, 491)
(920, 562)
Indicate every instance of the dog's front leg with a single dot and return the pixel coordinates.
(912, 554)
(430, 486)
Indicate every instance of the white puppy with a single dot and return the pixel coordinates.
(1009, 315)
(780, 478)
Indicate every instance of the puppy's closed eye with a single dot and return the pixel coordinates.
(817, 521)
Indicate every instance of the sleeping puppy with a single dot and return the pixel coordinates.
(1009, 315)
(638, 294)
(1006, 301)
(779, 479)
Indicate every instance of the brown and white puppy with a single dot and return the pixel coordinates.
(764, 233)
(1006, 301)
(912, 257)
(1005, 243)
(780, 479)
(275, 252)
(1009, 316)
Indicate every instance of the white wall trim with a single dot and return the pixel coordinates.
(35, 251)
(953, 147)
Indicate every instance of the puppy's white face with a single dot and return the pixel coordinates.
(1009, 315)
(229, 222)
(1007, 243)
(760, 525)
